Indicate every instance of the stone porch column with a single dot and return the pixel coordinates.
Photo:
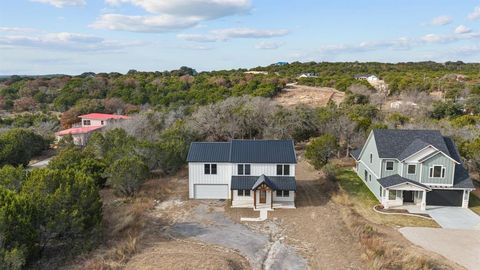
(423, 205)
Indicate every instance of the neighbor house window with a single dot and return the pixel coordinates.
(366, 175)
(392, 195)
(86, 122)
(411, 169)
(101, 122)
(283, 169)
(371, 158)
(210, 169)
(437, 171)
(370, 178)
(243, 169)
(389, 166)
(243, 193)
(283, 193)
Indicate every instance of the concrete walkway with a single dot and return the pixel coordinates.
(263, 216)
(460, 246)
(454, 217)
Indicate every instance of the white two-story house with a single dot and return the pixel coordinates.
(251, 173)
(418, 167)
(89, 123)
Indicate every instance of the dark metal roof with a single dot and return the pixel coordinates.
(396, 179)
(209, 152)
(262, 179)
(397, 143)
(278, 182)
(243, 151)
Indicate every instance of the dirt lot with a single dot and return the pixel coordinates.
(295, 94)
(162, 229)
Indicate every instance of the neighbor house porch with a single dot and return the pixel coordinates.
(398, 191)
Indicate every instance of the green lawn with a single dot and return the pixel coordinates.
(363, 201)
(474, 203)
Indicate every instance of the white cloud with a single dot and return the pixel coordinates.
(63, 41)
(231, 33)
(441, 20)
(160, 23)
(62, 3)
(266, 45)
(167, 15)
(462, 29)
(475, 14)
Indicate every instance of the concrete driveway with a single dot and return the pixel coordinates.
(454, 217)
(460, 246)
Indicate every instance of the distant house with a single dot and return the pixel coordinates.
(367, 77)
(281, 64)
(252, 173)
(399, 104)
(87, 125)
(416, 167)
(255, 72)
(307, 75)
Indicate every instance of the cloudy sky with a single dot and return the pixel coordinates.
(74, 36)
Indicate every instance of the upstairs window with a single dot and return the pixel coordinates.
(412, 169)
(389, 166)
(102, 122)
(86, 122)
(283, 169)
(371, 157)
(437, 171)
(243, 169)
(210, 169)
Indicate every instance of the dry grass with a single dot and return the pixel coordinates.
(294, 95)
(381, 251)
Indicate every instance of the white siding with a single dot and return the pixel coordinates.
(290, 198)
(196, 175)
(258, 169)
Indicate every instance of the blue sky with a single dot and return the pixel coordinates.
(74, 36)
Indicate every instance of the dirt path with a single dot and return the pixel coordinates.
(295, 94)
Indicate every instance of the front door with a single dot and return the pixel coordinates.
(407, 196)
(263, 196)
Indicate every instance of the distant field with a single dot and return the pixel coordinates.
(295, 94)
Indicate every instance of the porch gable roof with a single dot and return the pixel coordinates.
(397, 180)
(250, 182)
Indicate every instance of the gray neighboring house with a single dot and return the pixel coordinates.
(418, 167)
(252, 173)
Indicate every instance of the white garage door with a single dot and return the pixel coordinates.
(211, 191)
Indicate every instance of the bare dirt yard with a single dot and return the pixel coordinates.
(294, 94)
(162, 229)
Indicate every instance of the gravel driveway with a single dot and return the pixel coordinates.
(208, 223)
(460, 246)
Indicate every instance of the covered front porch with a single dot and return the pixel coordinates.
(263, 193)
(397, 191)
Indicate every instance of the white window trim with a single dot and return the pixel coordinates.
(431, 171)
(210, 168)
(408, 165)
(244, 166)
(386, 167)
(283, 169)
(283, 193)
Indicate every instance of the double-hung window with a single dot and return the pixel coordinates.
(283, 193)
(389, 166)
(437, 171)
(283, 169)
(86, 122)
(243, 193)
(210, 169)
(412, 169)
(243, 169)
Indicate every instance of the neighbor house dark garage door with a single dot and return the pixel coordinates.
(445, 197)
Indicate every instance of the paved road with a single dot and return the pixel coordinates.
(460, 246)
(455, 218)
